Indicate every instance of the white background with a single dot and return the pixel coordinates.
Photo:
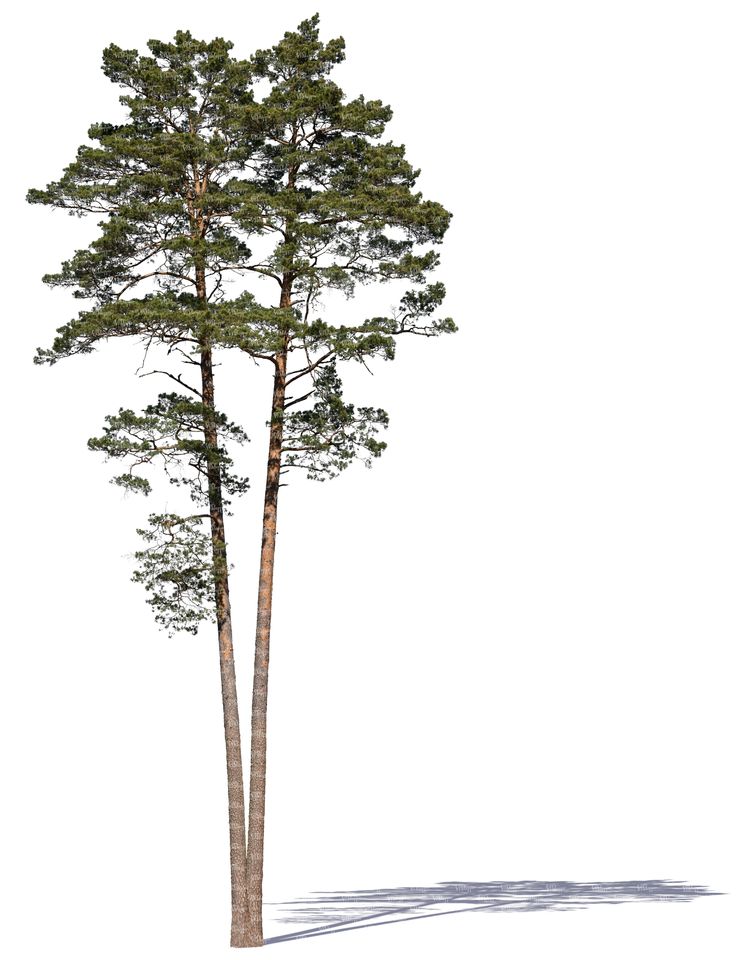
(503, 653)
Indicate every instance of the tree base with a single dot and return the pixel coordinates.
(245, 939)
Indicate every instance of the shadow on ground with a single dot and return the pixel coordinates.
(340, 911)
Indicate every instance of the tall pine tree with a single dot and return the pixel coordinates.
(340, 207)
(199, 168)
(157, 271)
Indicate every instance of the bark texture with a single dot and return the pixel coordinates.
(257, 801)
(235, 789)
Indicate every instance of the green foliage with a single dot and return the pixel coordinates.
(177, 571)
(340, 202)
(161, 180)
(164, 182)
(341, 205)
(325, 439)
(176, 567)
(200, 167)
(197, 170)
(176, 320)
(171, 432)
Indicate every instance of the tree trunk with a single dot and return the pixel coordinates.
(235, 791)
(257, 801)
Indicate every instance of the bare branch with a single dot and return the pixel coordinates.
(177, 379)
(308, 369)
(291, 403)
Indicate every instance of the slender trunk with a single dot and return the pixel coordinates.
(257, 794)
(257, 801)
(235, 790)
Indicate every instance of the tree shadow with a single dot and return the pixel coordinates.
(340, 911)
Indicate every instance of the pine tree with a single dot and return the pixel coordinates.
(199, 169)
(340, 206)
(156, 271)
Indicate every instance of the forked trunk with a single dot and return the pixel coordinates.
(257, 801)
(235, 794)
